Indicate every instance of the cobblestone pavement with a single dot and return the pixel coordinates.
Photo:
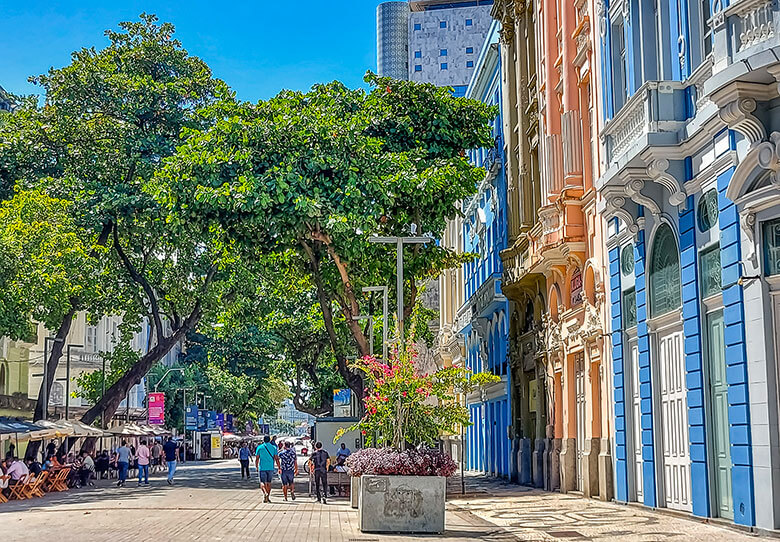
(533, 515)
(211, 502)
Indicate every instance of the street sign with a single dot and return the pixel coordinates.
(156, 408)
(203, 416)
(229, 423)
(211, 422)
(221, 420)
(342, 402)
(191, 418)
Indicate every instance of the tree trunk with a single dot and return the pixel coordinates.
(59, 343)
(109, 403)
(54, 359)
(355, 382)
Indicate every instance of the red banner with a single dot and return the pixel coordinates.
(156, 408)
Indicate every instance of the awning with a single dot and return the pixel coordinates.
(56, 429)
(72, 428)
(22, 430)
(127, 430)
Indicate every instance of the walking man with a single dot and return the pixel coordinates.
(171, 452)
(144, 455)
(123, 463)
(266, 455)
(289, 466)
(156, 450)
(320, 460)
(243, 458)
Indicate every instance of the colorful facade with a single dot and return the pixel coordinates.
(641, 145)
(555, 263)
(689, 187)
(483, 319)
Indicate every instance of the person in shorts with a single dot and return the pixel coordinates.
(266, 456)
(289, 467)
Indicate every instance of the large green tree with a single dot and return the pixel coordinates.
(109, 120)
(317, 173)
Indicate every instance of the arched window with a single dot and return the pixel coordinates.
(2, 380)
(665, 294)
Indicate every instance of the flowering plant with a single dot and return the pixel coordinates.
(404, 408)
(388, 462)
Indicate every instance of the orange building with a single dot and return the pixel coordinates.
(554, 270)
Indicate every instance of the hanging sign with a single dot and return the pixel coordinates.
(156, 408)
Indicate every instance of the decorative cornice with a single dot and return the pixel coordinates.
(657, 171)
(738, 115)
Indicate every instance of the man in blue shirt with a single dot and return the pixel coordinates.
(266, 456)
(243, 458)
(171, 450)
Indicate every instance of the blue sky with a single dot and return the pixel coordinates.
(258, 47)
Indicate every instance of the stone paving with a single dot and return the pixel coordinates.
(211, 502)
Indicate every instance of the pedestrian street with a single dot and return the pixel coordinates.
(210, 501)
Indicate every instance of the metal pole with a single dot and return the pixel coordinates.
(384, 324)
(371, 335)
(67, 384)
(184, 416)
(45, 378)
(400, 288)
(67, 379)
(103, 394)
(463, 454)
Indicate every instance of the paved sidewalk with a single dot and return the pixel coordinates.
(534, 515)
(210, 502)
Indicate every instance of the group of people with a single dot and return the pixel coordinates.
(271, 457)
(82, 466)
(145, 457)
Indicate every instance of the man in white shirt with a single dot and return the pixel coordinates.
(17, 470)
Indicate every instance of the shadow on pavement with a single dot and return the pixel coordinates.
(192, 475)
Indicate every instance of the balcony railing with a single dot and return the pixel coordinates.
(753, 22)
(658, 106)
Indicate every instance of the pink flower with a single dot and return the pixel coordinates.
(403, 393)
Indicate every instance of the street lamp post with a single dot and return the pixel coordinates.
(384, 291)
(180, 369)
(399, 242)
(67, 378)
(46, 373)
(370, 332)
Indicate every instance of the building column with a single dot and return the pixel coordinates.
(736, 359)
(618, 361)
(569, 443)
(689, 274)
(645, 384)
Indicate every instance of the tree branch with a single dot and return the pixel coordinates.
(140, 280)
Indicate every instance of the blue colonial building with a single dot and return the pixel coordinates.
(484, 317)
(690, 184)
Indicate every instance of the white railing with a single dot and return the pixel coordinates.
(629, 124)
(756, 22)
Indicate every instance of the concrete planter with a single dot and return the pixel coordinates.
(402, 504)
(354, 493)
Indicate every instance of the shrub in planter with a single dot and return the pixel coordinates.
(406, 409)
(402, 479)
(391, 462)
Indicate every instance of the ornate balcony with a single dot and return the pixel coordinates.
(654, 114)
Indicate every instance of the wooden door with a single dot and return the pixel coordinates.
(674, 421)
(718, 426)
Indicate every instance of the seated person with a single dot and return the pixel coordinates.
(102, 464)
(17, 469)
(33, 466)
(87, 469)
